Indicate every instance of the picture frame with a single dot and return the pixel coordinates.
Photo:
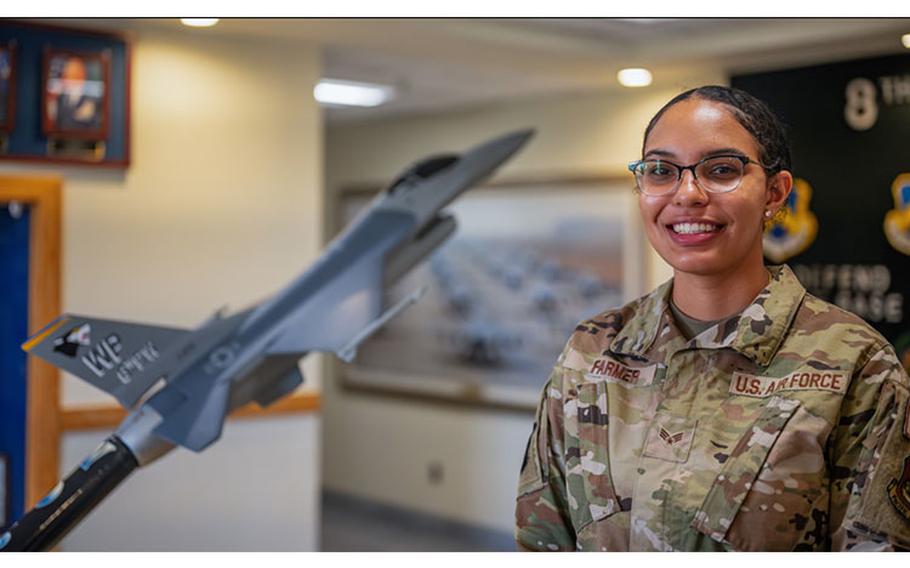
(505, 293)
(75, 90)
(101, 142)
(7, 86)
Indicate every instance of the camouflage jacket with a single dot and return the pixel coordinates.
(785, 427)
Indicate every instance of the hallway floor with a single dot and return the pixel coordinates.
(351, 524)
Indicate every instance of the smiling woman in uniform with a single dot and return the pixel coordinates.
(728, 409)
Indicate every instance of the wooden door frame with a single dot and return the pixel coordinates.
(46, 417)
(42, 195)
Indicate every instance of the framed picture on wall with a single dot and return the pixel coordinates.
(72, 95)
(76, 93)
(7, 85)
(528, 262)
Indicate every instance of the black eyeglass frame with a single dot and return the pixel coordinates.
(636, 165)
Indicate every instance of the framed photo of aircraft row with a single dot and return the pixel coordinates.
(64, 95)
(505, 292)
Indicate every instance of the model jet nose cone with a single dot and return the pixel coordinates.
(523, 135)
(498, 149)
(513, 140)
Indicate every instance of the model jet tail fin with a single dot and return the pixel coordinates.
(111, 355)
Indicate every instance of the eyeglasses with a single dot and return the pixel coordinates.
(716, 174)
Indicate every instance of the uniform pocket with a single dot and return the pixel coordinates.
(592, 496)
(670, 438)
(742, 468)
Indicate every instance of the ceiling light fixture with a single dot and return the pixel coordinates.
(905, 39)
(634, 77)
(352, 93)
(199, 22)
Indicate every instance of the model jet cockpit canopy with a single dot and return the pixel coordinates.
(422, 170)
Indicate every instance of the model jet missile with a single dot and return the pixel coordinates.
(181, 384)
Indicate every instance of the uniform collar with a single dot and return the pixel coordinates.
(756, 332)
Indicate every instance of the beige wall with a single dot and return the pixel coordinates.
(222, 205)
(380, 448)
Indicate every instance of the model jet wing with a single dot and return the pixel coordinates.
(341, 310)
(196, 415)
(111, 355)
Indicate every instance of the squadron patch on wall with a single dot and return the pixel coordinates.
(902, 348)
(897, 221)
(793, 233)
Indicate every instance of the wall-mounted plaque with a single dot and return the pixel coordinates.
(75, 94)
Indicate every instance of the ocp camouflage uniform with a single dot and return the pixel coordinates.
(785, 427)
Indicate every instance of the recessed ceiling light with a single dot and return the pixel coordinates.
(199, 22)
(352, 93)
(905, 39)
(635, 77)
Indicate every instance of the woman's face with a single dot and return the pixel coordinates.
(728, 231)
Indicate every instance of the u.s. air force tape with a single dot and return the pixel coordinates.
(760, 387)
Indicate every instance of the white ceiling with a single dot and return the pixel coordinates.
(440, 64)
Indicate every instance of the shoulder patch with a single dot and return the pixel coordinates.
(899, 490)
(812, 380)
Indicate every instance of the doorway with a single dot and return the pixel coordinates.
(30, 217)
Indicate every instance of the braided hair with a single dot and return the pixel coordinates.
(753, 114)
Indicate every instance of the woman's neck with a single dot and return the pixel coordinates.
(714, 297)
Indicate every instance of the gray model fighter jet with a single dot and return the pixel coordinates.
(181, 384)
(189, 380)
